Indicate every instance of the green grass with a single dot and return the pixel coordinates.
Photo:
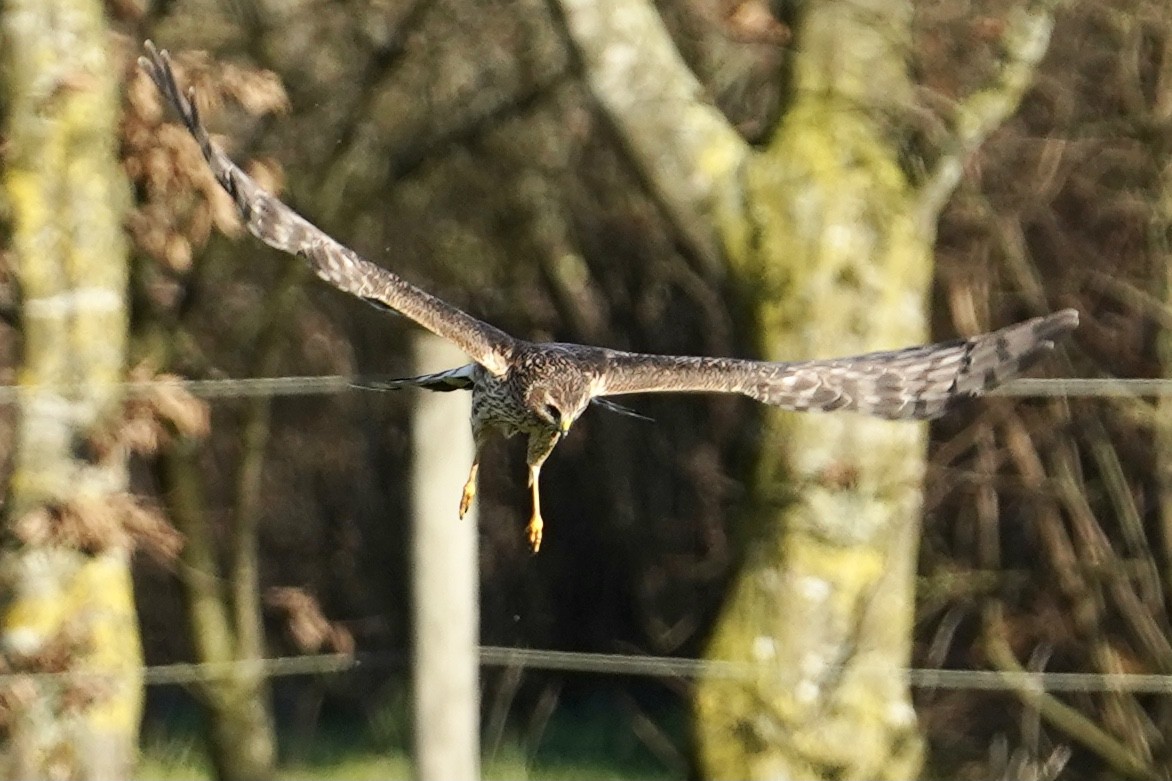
(184, 759)
(587, 741)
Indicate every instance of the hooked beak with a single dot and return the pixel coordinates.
(565, 424)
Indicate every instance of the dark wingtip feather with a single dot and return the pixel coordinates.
(918, 382)
(1046, 332)
(1053, 327)
(1004, 354)
(157, 64)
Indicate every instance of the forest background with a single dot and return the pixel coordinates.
(480, 150)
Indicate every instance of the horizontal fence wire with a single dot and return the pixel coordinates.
(603, 663)
(617, 664)
(1077, 387)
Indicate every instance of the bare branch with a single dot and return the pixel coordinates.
(683, 146)
(1026, 39)
(1057, 713)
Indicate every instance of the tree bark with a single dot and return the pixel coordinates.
(687, 152)
(226, 623)
(834, 240)
(823, 602)
(67, 598)
(240, 730)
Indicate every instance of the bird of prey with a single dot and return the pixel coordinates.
(540, 389)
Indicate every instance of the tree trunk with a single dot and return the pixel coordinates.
(223, 609)
(241, 742)
(839, 239)
(832, 241)
(823, 603)
(67, 599)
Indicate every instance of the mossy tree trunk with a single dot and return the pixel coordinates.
(834, 239)
(67, 599)
(240, 732)
(823, 601)
(223, 604)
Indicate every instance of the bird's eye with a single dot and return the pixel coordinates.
(553, 413)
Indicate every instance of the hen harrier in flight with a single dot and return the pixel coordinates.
(540, 389)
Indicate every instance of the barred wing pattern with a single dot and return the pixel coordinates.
(280, 227)
(915, 383)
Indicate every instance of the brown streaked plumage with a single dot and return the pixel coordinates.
(540, 389)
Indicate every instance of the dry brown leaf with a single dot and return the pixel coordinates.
(96, 523)
(34, 527)
(259, 92)
(173, 403)
(306, 623)
(149, 528)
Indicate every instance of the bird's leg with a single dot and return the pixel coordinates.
(479, 435)
(535, 522)
(470, 486)
(540, 446)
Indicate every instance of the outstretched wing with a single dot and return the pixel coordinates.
(914, 383)
(277, 225)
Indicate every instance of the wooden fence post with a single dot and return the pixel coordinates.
(445, 581)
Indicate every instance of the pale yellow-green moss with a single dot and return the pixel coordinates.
(67, 195)
(823, 604)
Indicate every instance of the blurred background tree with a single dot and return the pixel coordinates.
(69, 523)
(471, 148)
(829, 237)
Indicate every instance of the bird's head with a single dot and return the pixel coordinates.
(558, 405)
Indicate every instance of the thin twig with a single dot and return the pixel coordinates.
(1057, 713)
(1026, 38)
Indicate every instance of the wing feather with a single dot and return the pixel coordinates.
(460, 378)
(913, 383)
(279, 226)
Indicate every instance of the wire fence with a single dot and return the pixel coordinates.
(617, 664)
(318, 385)
(607, 663)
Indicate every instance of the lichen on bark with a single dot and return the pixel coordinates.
(67, 608)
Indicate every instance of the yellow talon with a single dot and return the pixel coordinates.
(534, 528)
(469, 491)
(467, 497)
